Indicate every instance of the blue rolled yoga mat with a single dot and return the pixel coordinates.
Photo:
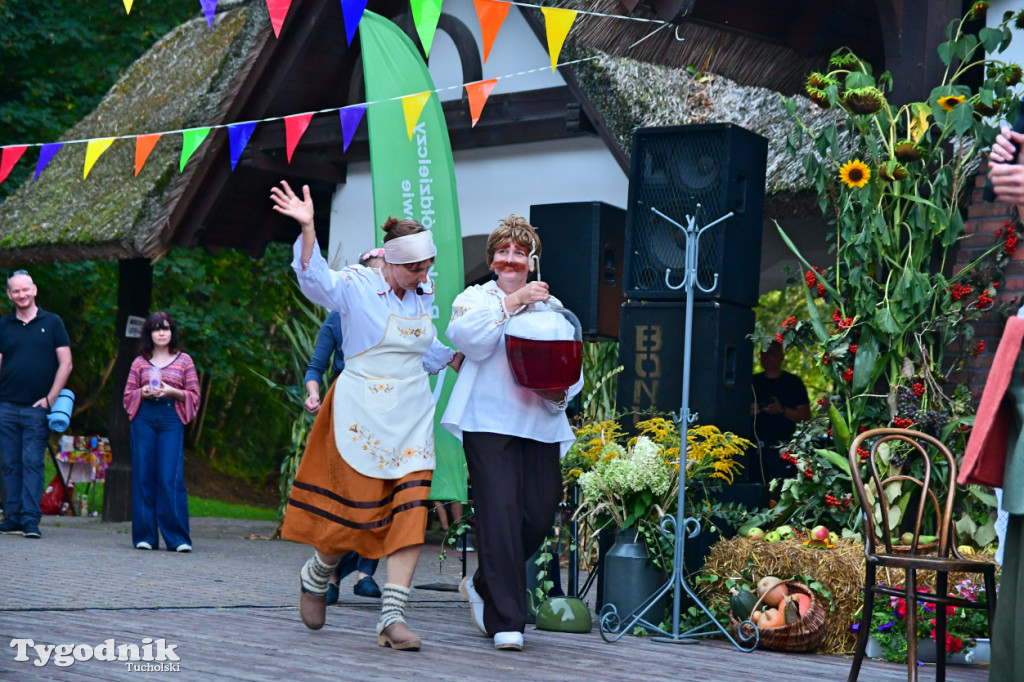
(60, 413)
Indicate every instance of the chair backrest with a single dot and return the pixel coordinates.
(936, 482)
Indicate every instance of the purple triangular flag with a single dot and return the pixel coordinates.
(350, 118)
(238, 137)
(46, 154)
(209, 9)
(353, 12)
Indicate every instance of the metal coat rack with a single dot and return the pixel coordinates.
(612, 625)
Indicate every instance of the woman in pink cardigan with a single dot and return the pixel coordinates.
(161, 396)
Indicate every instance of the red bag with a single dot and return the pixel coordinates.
(54, 502)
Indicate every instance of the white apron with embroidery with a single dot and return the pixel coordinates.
(383, 409)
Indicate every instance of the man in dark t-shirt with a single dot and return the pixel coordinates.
(35, 362)
(780, 401)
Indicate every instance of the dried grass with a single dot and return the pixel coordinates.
(840, 570)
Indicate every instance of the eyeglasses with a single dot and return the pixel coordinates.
(162, 327)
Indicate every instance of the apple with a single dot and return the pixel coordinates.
(819, 533)
(907, 538)
(755, 533)
(784, 531)
(772, 536)
(833, 538)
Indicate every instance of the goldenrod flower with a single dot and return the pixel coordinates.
(855, 173)
(947, 102)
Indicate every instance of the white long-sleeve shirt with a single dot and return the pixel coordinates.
(365, 300)
(486, 397)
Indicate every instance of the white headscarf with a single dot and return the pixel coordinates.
(412, 248)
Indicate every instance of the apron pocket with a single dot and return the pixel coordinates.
(380, 395)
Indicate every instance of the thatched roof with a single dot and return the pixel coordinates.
(185, 80)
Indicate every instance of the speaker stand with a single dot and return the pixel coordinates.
(613, 627)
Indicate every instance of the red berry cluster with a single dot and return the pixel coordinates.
(825, 358)
(965, 428)
(863, 453)
(833, 501)
(786, 457)
(902, 422)
(979, 348)
(958, 291)
(918, 389)
(789, 323)
(821, 401)
(778, 337)
(848, 376)
(842, 322)
(811, 279)
(984, 300)
(853, 349)
(808, 473)
(1011, 239)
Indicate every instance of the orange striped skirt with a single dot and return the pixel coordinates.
(336, 509)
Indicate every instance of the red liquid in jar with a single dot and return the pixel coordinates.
(544, 365)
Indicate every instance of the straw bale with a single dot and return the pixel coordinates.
(840, 570)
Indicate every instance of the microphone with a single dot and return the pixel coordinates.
(419, 290)
(989, 193)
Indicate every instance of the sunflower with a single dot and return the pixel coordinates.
(864, 100)
(977, 9)
(1018, 21)
(854, 173)
(820, 81)
(1012, 74)
(907, 151)
(947, 102)
(844, 60)
(892, 171)
(986, 110)
(819, 97)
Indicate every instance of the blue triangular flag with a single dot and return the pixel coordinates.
(353, 12)
(238, 137)
(209, 9)
(350, 118)
(46, 154)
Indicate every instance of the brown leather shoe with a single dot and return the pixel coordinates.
(312, 610)
(399, 636)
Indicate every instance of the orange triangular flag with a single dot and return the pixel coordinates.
(143, 146)
(557, 23)
(413, 105)
(478, 93)
(492, 14)
(294, 127)
(93, 150)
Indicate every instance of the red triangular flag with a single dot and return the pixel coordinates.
(492, 14)
(294, 127)
(10, 157)
(478, 93)
(278, 11)
(143, 146)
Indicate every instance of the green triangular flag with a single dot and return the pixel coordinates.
(191, 139)
(425, 14)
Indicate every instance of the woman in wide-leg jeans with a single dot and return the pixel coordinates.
(161, 396)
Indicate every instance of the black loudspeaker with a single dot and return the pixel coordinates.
(703, 171)
(582, 260)
(721, 361)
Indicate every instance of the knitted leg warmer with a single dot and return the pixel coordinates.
(392, 605)
(314, 575)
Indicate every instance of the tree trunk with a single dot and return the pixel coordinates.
(134, 295)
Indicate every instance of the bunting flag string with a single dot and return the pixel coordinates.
(209, 9)
(294, 128)
(557, 23)
(425, 15)
(352, 10)
(491, 14)
(278, 11)
(239, 133)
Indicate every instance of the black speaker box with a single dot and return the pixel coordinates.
(582, 260)
(721, 361)
(704, 171)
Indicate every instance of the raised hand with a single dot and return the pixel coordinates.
(287, 203)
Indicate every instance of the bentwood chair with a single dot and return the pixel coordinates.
(937, 485)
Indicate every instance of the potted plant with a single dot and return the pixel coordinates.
(967, 629)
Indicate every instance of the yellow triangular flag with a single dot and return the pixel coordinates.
(128, 6)
(413, 105)
(557, 23)
(93, 151)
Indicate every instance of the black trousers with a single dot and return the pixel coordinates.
(517, 484)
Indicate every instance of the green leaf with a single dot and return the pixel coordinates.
(946, 51)
(865, 363)
(840, 430)
(986, 534)
(962, 117)
(835, 459)
(990, 38)
(885, 321)
(954, 229)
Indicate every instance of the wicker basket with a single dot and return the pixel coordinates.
(804, 635)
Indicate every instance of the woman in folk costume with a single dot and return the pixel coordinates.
(364, 480)
(995, 450)
(512, 436)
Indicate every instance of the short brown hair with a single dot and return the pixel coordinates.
(513, 229)
(395, 228)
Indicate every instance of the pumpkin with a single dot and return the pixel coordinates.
(772, 618)
(803, 601)
(742, 603)
(766, 583)
(772, 590)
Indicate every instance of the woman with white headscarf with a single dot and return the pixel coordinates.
(364, 480)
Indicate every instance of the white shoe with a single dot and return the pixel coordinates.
(143, 545)
(509, 641)
(184, 548)
(476, 602)
(464, 541)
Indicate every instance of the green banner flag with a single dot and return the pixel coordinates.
(415, 178)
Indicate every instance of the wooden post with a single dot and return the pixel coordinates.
(134, 295)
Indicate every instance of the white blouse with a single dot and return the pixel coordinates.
(365, 300)
(486, 397)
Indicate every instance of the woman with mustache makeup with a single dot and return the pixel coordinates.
(513, 437)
